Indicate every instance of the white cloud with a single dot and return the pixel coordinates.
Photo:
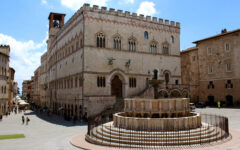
(76, 4)
(24, 56)
(146, 8)
(44, 2)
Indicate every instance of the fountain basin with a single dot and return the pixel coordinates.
(192, 121)
(168, 106)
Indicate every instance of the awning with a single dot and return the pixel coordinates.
(23, 103)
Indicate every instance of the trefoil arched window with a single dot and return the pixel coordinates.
(100, 40)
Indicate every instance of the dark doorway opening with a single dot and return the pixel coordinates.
(166, 78)
(116, 87)
(211, 100)
(229, 99)
(155, 74)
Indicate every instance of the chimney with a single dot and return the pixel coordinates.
(224, 31)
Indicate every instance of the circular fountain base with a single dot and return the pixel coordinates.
(108, 135)
(154, 123)
(157, 124)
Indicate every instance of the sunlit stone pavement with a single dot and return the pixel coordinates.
(53, 133)
(42, 132)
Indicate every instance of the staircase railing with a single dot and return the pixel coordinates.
(142, 92)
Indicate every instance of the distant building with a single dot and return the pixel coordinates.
(212, 68)
(4, 74)
(26, 89)
(15, 89)
(10, 87)
(43, 82)
(36, 93)
(32, 88)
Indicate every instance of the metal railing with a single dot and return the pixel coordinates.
(214, 128)
(173, 86)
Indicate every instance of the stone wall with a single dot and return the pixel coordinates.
(190, 71)
(219, 92)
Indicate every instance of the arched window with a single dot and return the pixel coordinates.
(153, 48)
(166, 78)
(172, 39)
(117, 42)
(165, 49)
(146, 35)
(132, 44)
(100, 40)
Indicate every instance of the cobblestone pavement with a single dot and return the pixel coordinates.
(42, 132)
(53, 133)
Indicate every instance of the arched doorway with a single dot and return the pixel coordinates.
(116, 86)
(229, 99)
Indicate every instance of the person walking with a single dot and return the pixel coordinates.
(219, 104)
(27, 120)
(23, 119)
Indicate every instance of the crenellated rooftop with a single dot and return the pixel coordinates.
(5, 50)
(112, 11)
(7, 46)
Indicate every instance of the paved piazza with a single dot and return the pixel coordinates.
(42, 133)
(53, 133)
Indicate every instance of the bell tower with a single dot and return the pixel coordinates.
(56, 22)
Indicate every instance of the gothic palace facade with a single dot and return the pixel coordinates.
(101, 52)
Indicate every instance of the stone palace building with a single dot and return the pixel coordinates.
(8, 88)
(101, 53)
(4, 74)
(212, 69)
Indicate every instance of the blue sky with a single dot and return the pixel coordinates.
(24, 23)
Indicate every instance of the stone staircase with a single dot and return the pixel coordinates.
(117, 107)
(109, 135)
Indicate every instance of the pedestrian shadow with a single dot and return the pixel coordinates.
(54, 119)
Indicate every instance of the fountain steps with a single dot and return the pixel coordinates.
(168, 137)
(113, 129)
(153, 134)
(101, 136)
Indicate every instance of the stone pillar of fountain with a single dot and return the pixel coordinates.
(155, 83)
